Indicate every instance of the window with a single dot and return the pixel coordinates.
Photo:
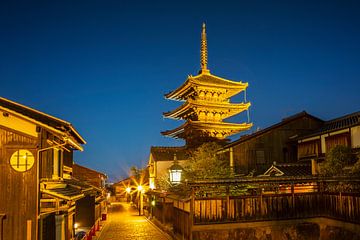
(22, 160)
(309, 149)
(57, 167)
(336, 140)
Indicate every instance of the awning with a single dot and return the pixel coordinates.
(85, 188)
(66, 192)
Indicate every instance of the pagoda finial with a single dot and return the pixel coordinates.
(203, 51)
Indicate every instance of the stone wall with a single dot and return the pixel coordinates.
(315, 229)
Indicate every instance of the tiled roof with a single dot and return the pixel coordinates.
(68, 189)
(290, 169)
(296, 169)
(42, 117)
(337, 124)
(85, 187)
(167, 153)
(67, 192)
(212, 79)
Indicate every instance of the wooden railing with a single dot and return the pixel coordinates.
(182, 223)
(266, 207)
(278, 206)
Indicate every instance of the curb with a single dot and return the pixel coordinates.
(104, 225)
(160, 227)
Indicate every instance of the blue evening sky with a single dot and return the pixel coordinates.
(105, 65)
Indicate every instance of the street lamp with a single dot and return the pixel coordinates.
(140, 190)
(175, 172)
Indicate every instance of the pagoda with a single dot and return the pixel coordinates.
(206, 103)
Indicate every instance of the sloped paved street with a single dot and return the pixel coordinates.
(125, 224)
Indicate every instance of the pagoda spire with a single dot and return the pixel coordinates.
(203, 51)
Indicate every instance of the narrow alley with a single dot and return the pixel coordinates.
(124, 223)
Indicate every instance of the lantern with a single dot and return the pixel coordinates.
(175, 172)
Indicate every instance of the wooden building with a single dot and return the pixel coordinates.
(90, 176)
(256, 152)
(161, 159)
(37, 195)
(206, 104)
(122, 189)
(90, 209)
(344, 131)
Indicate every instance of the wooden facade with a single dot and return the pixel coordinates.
(36, 199)
(91, 208)
(17, 199)
(277, 143)
(343, 131)
(161, 159)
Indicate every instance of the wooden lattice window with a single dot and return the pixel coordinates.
(22, 160)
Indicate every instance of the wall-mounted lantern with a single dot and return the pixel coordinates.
(175, 172)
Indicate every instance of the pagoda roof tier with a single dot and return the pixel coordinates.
(200, 108)
(206, 80)
(218, 130)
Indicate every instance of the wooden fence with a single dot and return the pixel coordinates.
(280, 206)
(184, 214)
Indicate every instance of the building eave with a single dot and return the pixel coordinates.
(235, 107)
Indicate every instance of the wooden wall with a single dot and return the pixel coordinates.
(85, 211)
(88, 175)
(275, 144)
(17, 189)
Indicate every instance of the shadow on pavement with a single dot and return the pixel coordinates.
(116, 207)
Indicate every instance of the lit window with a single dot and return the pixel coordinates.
(22, 160)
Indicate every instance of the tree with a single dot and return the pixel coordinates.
(338, 157)
(139, 175)
(205, 163)
(356, 168)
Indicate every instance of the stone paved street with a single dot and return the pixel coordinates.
(124, 223)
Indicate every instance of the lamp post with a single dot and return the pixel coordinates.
(175, 172)
(128, 195)
(140, 204)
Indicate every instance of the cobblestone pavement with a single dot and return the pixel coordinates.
(124, 223)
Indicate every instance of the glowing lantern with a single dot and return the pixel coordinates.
(175, 172)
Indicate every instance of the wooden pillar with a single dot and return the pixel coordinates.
(292, 198)
(2, 217)
(191, 216)
(232, 166)
(227, 212)
(261, 203)
(163, 210)
(28, 229)
(340, 203)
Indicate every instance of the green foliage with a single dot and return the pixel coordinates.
(140, 175)
(136, 172)
(336, 159)
(356, 168)
(205, 163)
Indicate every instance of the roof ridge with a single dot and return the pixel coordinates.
(278, 124)
(220, 78)
(291, 164)
(354, 114)
(90, 169)
(169, 147)
(35, 110)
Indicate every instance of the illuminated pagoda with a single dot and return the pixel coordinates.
(206, 103)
